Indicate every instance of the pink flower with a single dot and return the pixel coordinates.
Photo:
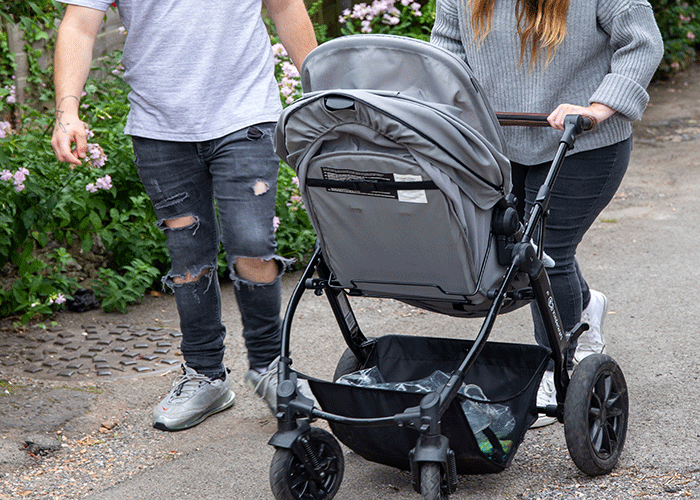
(295, 201)
(5, 175)
(60, 299)
(104, 183)
(96, 154)
(290, 70)
(691, 35)
(275, 222)
(279, 50)
(11, 97)
(18, 178)
(21, 175)
(391, 20)
(5, 129)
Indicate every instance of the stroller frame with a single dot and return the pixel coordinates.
(592, 403)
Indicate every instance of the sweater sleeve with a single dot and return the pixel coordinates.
(446, 31)
(638, 49)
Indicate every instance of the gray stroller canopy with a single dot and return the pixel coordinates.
(465, 129)
(412, 67)
(400, 162)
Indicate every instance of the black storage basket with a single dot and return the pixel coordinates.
(508, 374)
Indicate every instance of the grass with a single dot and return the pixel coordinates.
(7, 388)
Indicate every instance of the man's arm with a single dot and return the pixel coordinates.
(72, 62)
(293, 27)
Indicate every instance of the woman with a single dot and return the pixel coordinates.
(560, 57)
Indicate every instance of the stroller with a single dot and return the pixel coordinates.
(402, 169)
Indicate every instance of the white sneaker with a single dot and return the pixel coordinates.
(546, 395)
(265, 385)
(591, 341)
(547, 261)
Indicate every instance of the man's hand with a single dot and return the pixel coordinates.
(72, 60)
(69, 130)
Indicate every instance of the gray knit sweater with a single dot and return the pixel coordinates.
(611, 50)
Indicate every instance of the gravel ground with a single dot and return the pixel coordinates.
(73, 454)
(63, 467)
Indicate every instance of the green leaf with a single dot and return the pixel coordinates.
(41, 238)
(95, 220)
(86, 242)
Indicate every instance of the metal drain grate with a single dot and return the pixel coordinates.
(92, 351)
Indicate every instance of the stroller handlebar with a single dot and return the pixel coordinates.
(540, 120)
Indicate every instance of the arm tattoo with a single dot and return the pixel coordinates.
(59, 113)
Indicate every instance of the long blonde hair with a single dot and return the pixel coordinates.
(541, 24)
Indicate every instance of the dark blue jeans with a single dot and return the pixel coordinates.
(586, 184)
(235, 175)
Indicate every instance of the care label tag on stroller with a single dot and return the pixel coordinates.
(364, 182)
(413, 196)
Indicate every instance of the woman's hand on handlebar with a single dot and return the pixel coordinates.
(596, 111)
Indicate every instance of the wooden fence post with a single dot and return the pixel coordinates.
(109, 39)
(16, 45)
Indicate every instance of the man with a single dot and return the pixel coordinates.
(204, 103)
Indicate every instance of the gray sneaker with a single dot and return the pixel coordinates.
(193, 398)
(265, 385)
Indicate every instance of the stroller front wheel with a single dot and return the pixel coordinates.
(596, 411)
(431, 482)
(313, 470)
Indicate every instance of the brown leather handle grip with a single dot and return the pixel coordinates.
(537, 120)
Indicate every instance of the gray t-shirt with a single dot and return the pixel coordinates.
(197, 70)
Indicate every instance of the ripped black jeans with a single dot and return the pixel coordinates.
(238, 172)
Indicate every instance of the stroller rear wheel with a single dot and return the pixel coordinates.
(431, 482)
(596, 413)
(317, 475)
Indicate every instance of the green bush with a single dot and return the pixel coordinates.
(389, 17)
(679, 23)
(95, 215)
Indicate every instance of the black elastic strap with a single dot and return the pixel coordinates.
(366, 186)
